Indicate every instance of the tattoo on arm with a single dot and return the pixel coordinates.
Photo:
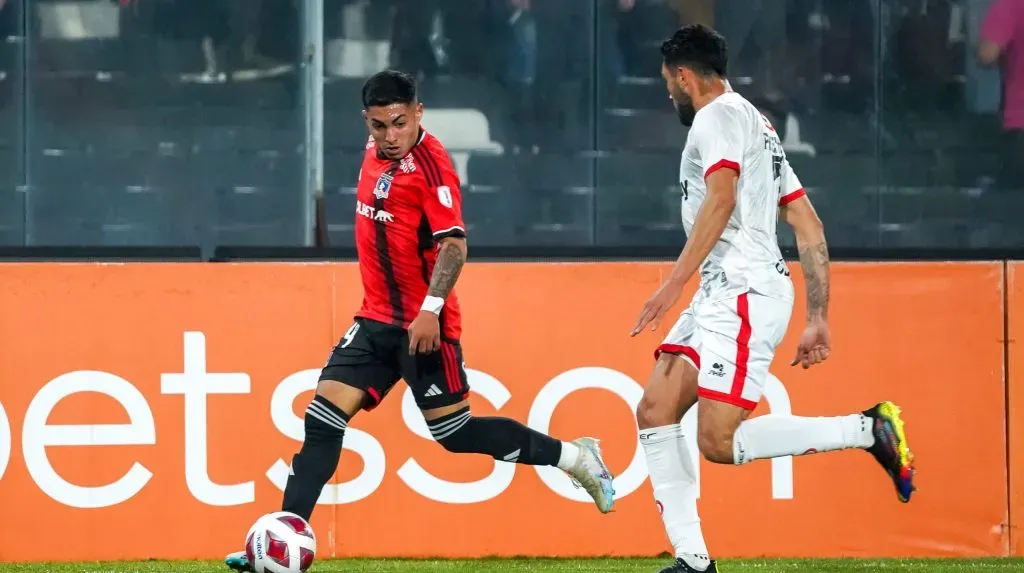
(814, 262)
(446, 271)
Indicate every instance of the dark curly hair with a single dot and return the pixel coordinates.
(699, 48)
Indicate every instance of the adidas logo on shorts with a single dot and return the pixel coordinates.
(433, 391)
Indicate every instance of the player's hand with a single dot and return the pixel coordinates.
(424, 334)
(815, 345)
(660, 302)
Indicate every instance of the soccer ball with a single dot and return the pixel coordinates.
(280, 542)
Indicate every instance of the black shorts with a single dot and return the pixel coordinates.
(373, 356)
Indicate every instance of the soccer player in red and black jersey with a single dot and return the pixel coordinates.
(411, 242)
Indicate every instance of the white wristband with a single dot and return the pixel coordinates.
(433, 304)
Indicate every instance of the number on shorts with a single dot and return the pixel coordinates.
(349, 335)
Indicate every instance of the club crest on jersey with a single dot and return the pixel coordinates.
(383, 186)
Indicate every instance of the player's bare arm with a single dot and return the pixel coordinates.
(451, 257)
(814, 345)
(425, 330)
(708, 226)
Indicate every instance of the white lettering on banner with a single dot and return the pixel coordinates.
(437, 489)
(782, 468)
(194, 382)
(363, 444)
(5, 441)
(552, 394)
(37, 435)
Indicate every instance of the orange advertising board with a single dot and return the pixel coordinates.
(1015, 393)
(150, 410)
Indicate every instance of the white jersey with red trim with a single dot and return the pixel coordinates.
(730, 133)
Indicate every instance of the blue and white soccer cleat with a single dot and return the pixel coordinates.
(592, 474)
(238, 561)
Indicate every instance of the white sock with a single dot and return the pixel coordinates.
(773, 436)
(569, 456)
(674, 478)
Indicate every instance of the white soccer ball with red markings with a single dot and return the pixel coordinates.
(280, 542)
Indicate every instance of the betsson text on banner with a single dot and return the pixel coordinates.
(196, 384)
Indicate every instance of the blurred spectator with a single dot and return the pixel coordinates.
(518, 43)
(694, 11)
(927, 54)
(231, 35)
(417, 42)
(431, 37)
(468, 25)
(547, 71)
(521, 46)
(849, 58)
(565, 76)
(756, 31)
(620, 37)
(1002, 44)
(10, 28)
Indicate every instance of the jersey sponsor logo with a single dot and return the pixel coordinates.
(383, 186)
(781, 268)
(709, 275)
(444, 195)
(407, 165)
(378, 215)
(717, 369)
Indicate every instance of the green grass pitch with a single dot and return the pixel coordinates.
(545, 565)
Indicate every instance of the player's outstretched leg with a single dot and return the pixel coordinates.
(313, 466)
(508, 440)
(879, 431)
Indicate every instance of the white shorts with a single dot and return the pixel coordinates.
(731, 343)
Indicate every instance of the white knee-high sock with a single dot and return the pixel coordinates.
(773, 436)
(674, 478)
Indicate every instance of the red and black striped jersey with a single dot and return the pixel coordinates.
(403, 208)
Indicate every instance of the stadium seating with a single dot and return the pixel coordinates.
(112, 147)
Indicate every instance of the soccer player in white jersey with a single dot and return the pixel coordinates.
(736, 182)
